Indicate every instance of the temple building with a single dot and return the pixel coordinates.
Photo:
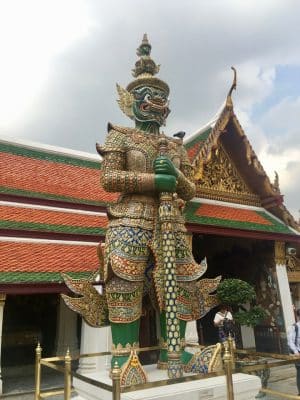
(53, 216)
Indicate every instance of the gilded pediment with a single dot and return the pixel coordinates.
(221, 180)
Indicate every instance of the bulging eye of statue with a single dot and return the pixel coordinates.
(147, 97)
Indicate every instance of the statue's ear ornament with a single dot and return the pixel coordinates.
(125, 101)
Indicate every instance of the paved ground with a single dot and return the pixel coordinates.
(16, 388)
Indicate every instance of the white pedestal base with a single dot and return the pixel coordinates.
(246, 387)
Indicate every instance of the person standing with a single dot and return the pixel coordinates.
(224, 322)
(294, 345)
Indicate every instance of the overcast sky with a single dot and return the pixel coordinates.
(60, 60)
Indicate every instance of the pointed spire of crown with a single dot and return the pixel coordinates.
(145, 69)
(145, 47)
(145, 66)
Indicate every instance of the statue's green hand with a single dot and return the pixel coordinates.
(165, 183)
(163, 165)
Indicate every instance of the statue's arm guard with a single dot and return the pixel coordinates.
(115, 177)
(186, 188)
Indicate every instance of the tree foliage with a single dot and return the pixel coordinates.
(252, 317)
(235, 292)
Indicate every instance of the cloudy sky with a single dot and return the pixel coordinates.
(60, 60)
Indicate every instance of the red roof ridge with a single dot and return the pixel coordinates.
(47, 148)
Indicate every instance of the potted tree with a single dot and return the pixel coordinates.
(236, 293)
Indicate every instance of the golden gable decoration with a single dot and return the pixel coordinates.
(221, 181)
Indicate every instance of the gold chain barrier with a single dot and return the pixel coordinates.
(229, 367)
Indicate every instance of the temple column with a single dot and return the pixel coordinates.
(283, 285)
(191, 334)
(94, 340)
(2, 304)
(66, 332)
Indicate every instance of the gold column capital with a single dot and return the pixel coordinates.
(279, 253)
(2, 298)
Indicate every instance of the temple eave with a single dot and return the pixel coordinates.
(241, 233)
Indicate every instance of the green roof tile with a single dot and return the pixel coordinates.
(41, 227)
(38, 277)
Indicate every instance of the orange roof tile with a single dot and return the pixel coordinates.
(47, 257)
(52, 178)
(231, 213)
(32, 215)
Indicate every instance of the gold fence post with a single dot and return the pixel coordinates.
(67, 390)
(116, 377)
(228, 371)
(231, 345)
(38, 356)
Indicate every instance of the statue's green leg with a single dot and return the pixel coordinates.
(185, 356)
(123, 335)
(163, 354)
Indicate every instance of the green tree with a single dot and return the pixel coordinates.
(236, 293)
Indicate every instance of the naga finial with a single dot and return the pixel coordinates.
(233, 87)
(276, 182)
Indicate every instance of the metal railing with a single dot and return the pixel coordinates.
(229, 367)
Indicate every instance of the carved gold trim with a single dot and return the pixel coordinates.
(162, 365)
(292, 263)
(239, 198)
(133, 372)
(222, 181)
(2, 299)
(210, 144)
(162, 344)
(120, 350)
(294, 277)
(279, 253)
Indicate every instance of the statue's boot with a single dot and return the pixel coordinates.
(125, 339)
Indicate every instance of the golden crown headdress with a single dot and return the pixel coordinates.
(144, 71)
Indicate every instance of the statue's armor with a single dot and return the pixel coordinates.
(133, 261)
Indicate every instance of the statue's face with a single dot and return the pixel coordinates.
(150, 105)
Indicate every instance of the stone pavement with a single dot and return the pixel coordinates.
(16, 388)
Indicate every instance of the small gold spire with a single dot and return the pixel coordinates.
(145, 39)
(233, 87)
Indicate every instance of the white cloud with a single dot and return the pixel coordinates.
(32, 33)
(61, 59)
(276, 140)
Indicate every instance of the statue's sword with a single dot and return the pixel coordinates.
(166, 219)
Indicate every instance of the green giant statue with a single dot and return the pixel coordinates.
(147, 251)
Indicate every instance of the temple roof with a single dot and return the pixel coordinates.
(37, 218)
(31, 171)
(52, 214)
(53, 209)
(206, 212)
(38, 260)
(225, 131)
